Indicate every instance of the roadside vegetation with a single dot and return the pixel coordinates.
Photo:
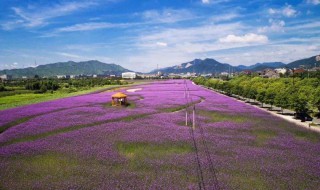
(300, 94)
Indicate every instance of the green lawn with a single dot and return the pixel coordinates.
(11, 101)
(18, 96)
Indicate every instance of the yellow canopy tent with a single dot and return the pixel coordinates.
(119, 99)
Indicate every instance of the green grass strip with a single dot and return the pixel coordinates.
(215, 116)
(14, 123)
(181, 107)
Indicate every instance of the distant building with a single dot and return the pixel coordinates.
(269, 73)
(148, 76)
(298, 71)
(246, 72)
(315, 69)
(61, 76)
(6, 77)
(129, 75)
(174, 76)
(281, 70)
(206, 75)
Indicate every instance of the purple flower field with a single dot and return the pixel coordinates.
(84, 143)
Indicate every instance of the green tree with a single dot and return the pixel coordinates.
(269, 96)
(316, 99)
(261, 95)
(282, 99)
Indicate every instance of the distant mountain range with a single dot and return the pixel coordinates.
(92, 67)
(213, 66)
(261, 66)
(198, 66)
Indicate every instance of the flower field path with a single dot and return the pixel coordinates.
(84, 143)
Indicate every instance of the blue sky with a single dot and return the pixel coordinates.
(141, 34)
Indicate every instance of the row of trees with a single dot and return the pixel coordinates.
(92, 82)
(43, 85)
(300, 95)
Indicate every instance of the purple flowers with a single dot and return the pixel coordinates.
(82, 142)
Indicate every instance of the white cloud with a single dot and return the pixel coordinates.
(68, 55)
(86, 47)
(190, 34)
(247, 38)
(213, 2)
(224, 17)
(306, 27)
(287, 11)
(13, 65)
(75, 57)
(314, 2)
(315, 48)
(90, 26)
(167, 15)
(272, 11)
(275, 26)
(270, 53)
(186, 43)
(40, 16)
(11, 24)
(162, 44)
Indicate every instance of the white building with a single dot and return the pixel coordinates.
(6, 77)
(129, 75)
(61, 76)
(282, 70)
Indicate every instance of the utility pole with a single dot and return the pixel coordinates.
(293, 77)
(186, 117)
(194, 118)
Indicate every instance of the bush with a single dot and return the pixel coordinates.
(2, 88)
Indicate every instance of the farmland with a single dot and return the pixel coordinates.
(83, 142)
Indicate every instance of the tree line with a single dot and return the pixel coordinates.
(43, 85)
(299, 94)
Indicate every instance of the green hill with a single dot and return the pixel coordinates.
(199, 66)
(92, 67)
(306, 63)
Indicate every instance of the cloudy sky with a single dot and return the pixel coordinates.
(139, 34)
